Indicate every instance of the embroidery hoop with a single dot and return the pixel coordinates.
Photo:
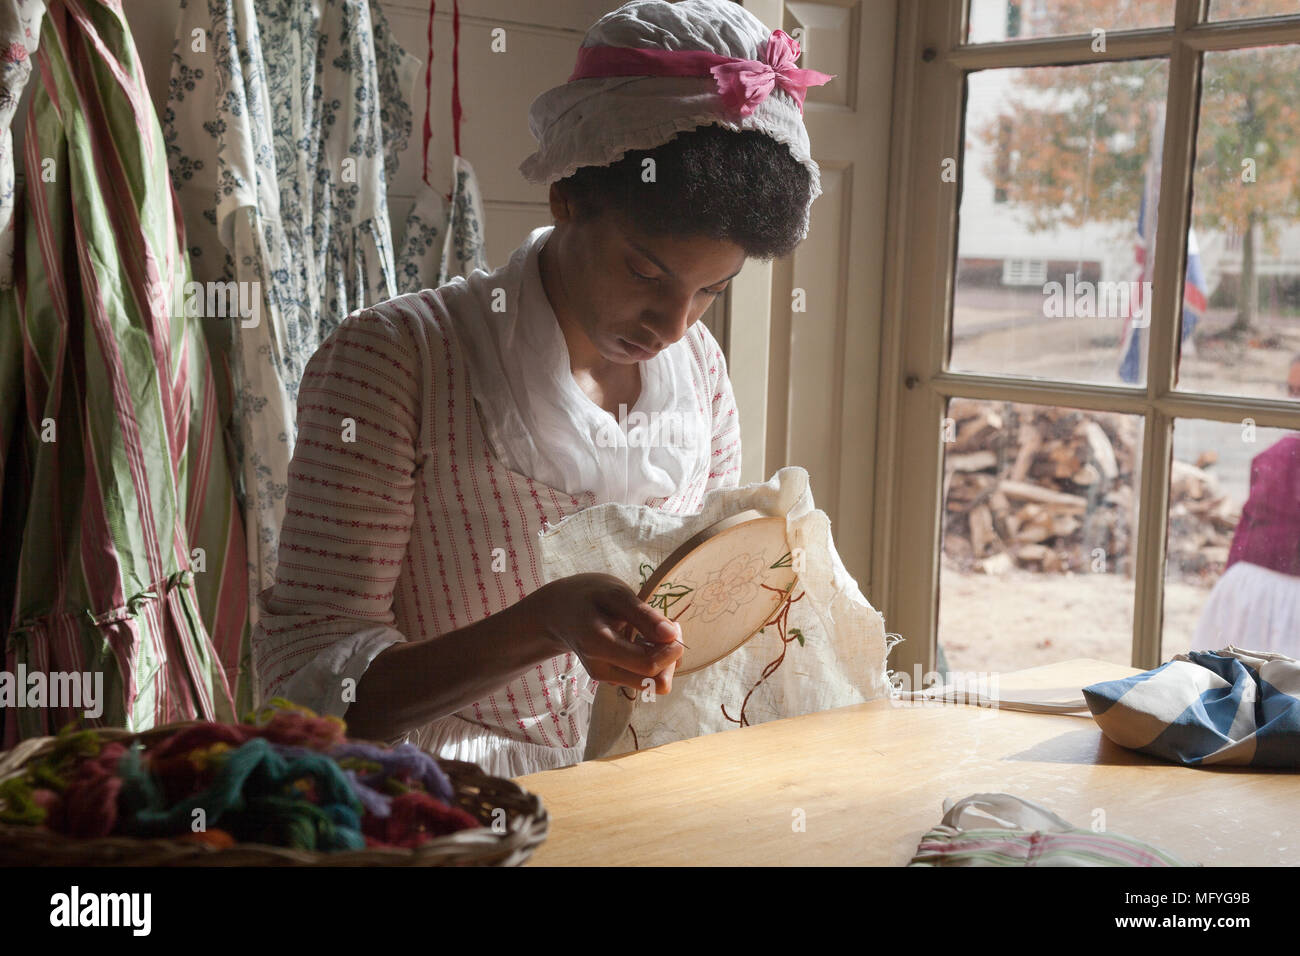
(721, 586)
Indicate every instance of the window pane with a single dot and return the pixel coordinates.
(1241, 311)
(1233, 578)
(1235, 9)
(993, 20)
(1054, 248)
(1039, 535)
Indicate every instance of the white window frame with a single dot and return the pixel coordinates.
(915, 386)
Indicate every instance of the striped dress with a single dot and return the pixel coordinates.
(402, 524)
(123, 541)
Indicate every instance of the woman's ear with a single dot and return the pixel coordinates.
(561, 208)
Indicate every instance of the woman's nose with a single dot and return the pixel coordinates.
(671, 321)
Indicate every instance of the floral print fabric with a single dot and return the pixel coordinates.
(284, 122)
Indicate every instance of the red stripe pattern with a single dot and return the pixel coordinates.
(134, 481)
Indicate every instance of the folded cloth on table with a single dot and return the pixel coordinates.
(1232, 706)
(999, 829)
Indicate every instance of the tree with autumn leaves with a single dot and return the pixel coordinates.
(1071, 145)
(1247, 175)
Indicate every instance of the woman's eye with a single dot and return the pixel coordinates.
(644, 278)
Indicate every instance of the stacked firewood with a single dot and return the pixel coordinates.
(1053, 489)
(1202, 520)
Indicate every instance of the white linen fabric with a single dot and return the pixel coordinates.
(840, 661)
(595, 121)
(1252, 606)
(541, 423)
(416, 528)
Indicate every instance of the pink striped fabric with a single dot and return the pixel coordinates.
(110, 519)
(396, 530)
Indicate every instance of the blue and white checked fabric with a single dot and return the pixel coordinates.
(1232, 706)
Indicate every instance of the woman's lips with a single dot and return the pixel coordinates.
(635, 350)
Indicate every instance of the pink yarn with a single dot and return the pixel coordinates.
(90, 800)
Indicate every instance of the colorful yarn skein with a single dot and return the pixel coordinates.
(286, 777)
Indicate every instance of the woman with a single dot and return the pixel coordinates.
(439, 432)
(1256, 602)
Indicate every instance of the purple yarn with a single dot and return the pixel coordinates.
(376, 804)
(403, 759)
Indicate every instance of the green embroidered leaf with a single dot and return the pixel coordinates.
(798, 635)
(668, 594)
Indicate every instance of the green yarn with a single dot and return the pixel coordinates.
(17, 805)
(50, 772)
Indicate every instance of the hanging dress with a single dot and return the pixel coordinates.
(128, 511)
(284, 123)
(444, 233)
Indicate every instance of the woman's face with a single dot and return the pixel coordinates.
(629, 293)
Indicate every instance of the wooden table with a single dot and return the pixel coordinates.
(871, 779)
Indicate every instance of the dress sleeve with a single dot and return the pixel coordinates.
(724, 457)
(348, 514)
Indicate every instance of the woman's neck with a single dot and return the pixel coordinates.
(583, 355)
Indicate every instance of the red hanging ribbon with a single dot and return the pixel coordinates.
(455, 73)
(456, 111)
(428, 95)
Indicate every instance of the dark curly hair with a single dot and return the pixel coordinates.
(737, 186)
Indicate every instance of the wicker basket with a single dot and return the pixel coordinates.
(477, 793)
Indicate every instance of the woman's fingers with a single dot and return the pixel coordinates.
(664, 680)
(642, 618)
(612, 674)
(645, 660)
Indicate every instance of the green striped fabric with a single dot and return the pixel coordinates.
(130, 548)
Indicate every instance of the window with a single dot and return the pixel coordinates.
(1108, 350)
(1031, 272)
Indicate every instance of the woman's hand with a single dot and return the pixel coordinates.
(592, 616)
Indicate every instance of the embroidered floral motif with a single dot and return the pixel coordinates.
(729, 588)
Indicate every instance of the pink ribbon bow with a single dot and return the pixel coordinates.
(743, 84)
(746, 83)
